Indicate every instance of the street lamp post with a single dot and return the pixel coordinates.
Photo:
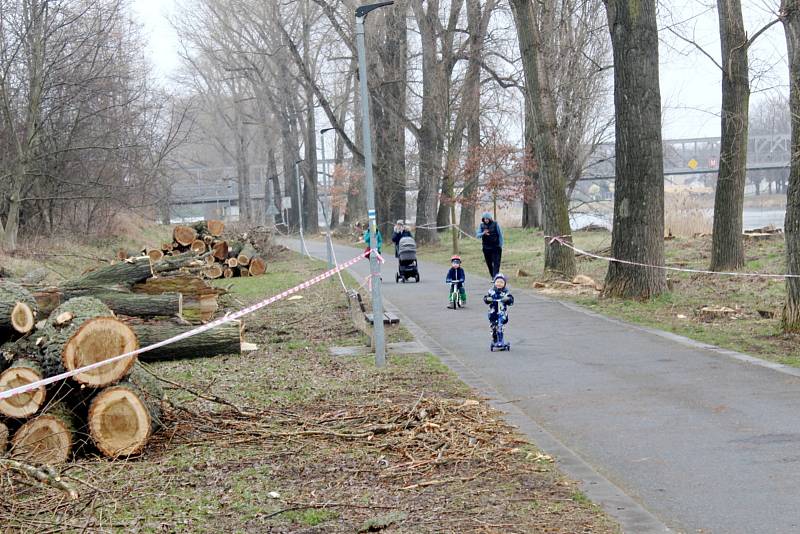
(330, 199)
(374, 266)
(300, 206)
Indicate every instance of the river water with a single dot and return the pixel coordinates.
(752, 217)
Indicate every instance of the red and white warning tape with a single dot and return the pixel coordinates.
(560, 239)
(208, 326)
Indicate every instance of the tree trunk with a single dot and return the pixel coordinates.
(558, 259)
(127, 273)
(790, 321)
(727, 248)
(22, 372)
(3, 438)
(310, 198)
(184, 235)
(83, 331)
(122, 418)
(277, 199)
(224, 339)
(49, 438)
(532, 203)
(17, 310)
(638, 232)
(257, 266)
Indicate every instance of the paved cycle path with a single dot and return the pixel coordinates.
(702, 438)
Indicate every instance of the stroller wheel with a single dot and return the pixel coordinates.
(417, 278)
(396, 278)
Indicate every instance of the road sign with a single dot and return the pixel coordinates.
(692, 164)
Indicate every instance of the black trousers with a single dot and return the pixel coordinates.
(493, 257)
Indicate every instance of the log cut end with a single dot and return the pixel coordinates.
(23, 318)
(96, 340)
(212, 271)
(198, 246)
(184, 235)
(258, 266)
(26, 404)
(215, 227)
(44, 440)
(119, 422)
(3, 438)
(155, 254)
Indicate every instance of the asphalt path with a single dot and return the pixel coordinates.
(661, 430)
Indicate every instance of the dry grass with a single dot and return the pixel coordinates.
(686, 215)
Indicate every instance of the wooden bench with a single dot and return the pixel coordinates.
(364, 320)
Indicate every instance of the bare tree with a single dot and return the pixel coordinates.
(638, 232)
(790, 16)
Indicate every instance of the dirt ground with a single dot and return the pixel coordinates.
(291, 439)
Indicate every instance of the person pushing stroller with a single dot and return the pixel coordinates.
(456, 278)
(499, 298)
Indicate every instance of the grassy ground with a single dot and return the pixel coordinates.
(753, 327)
(316, 444)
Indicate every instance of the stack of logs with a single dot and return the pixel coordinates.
(225, 258)
(104, 313)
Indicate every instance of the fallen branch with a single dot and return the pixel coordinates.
(46, 475)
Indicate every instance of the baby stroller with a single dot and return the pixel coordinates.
(407, 260)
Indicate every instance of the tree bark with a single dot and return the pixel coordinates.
(122, 418)
(727, 248)
(638, 232)
(199, 298)
(558, 259)
(127, 273)
(120, 302)
(532, 203)
(790, 320)
(310, 198)
(3, 438)
(225, 339)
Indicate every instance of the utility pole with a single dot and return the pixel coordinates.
(374, 266)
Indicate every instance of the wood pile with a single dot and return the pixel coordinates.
(109, 311)
(224, 257)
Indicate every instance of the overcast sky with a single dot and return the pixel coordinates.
(690, 89)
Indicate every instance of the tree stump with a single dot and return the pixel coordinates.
(92, 335)
(17, 310)
(47, 439)
(21, 373)
(123, 417)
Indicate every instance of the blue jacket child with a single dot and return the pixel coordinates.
(456, 274)
(497, 295)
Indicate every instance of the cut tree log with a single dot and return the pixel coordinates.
(21, 373)
(208, 239)
(155, 254)
(93, 335)
(244, 256)
(132, 271)
(211, 260)
(224, 339)
(121, 302)
(17, 310)
(122, 418)
(258, 266)
(220, 250)
(3, 438)
(244, 272)
(167, 246)
(234, 247)
(215, 227)
(232, 262)
(227, 272)
(198, 246)
(184, 235)
(47, 439)
(213, 271)
(199, 298)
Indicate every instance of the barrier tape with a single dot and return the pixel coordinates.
(560, 240)
(228, 317)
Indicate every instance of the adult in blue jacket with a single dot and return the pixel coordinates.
(491, 236)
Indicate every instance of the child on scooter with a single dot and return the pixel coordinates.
(456, 276)
(499, 298)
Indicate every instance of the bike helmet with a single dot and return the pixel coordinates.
(455, 257)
